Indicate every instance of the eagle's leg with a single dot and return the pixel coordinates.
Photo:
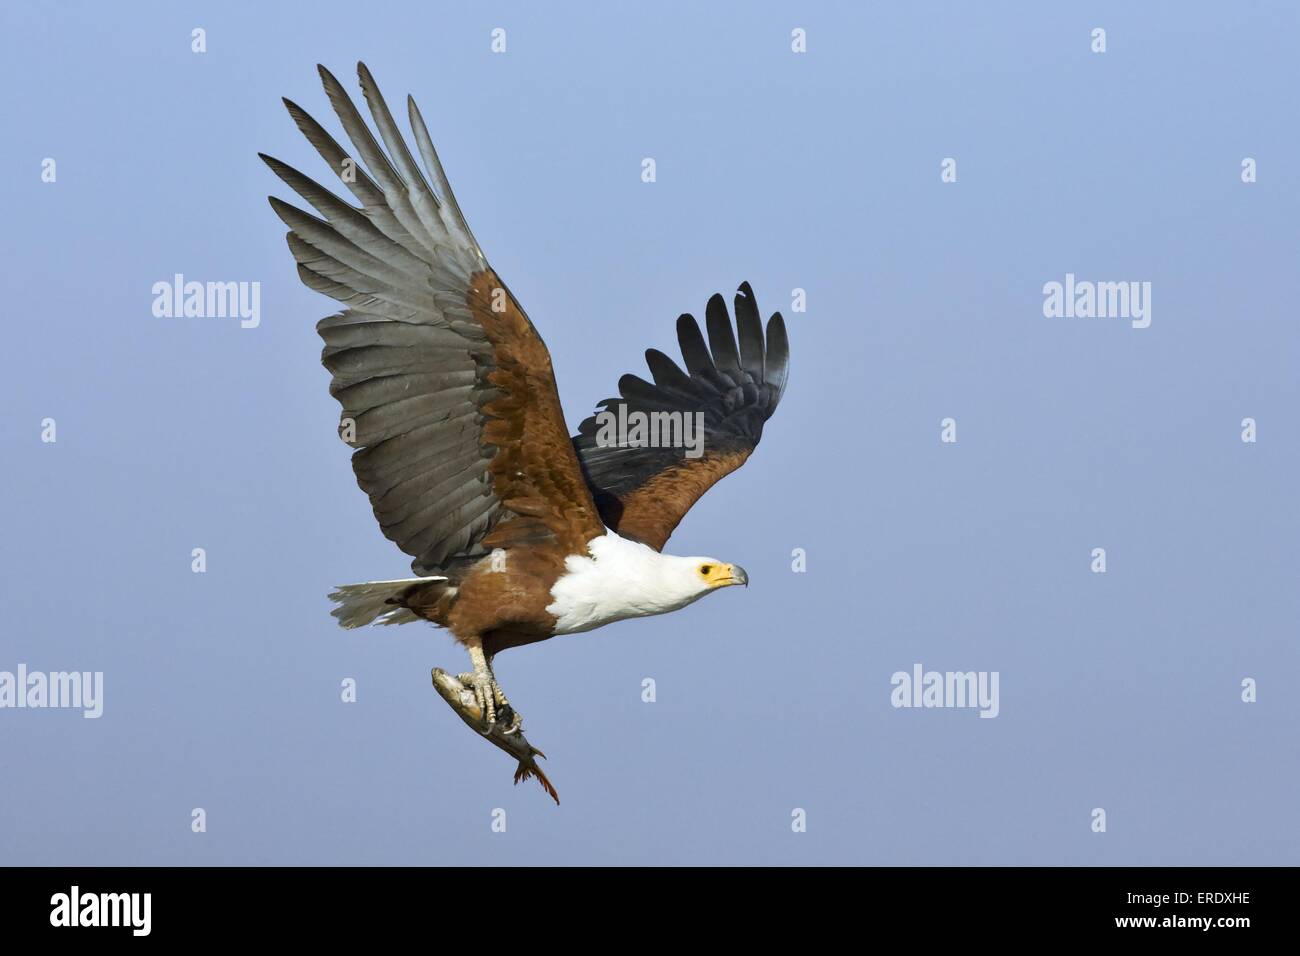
(486, 690)
(496, 688)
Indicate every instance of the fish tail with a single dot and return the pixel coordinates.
(530, 769)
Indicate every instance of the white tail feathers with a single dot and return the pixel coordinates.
(360, 604)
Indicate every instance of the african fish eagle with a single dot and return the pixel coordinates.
(518, 532)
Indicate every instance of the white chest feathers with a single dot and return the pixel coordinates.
(621, 579)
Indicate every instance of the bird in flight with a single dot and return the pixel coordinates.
(518, 531)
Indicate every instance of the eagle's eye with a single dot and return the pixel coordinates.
(706, 569)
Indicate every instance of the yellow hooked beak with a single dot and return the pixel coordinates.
(724, 575)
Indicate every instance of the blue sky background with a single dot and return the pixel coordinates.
(818, 171)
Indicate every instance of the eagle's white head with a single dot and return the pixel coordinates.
(623, 578)
(683, 580)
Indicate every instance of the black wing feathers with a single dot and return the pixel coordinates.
(735, 387)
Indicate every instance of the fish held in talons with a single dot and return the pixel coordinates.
(506, 732)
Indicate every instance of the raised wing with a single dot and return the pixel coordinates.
(644, 491)
(447, 390)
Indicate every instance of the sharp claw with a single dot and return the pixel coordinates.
(489, 696)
